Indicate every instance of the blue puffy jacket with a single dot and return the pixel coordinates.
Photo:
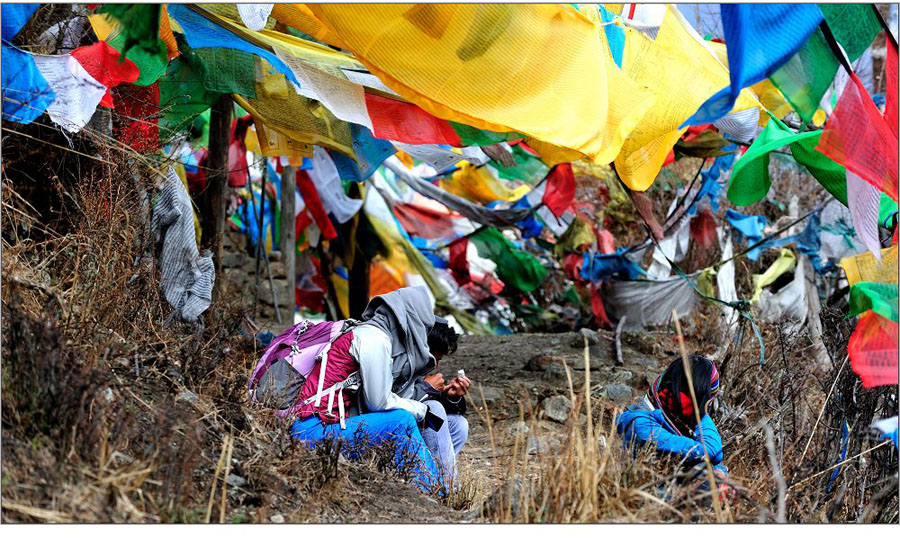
(640, 425)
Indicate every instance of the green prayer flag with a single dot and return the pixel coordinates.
(805, 78)
(750, 175)
(528, 167)
(139, 39)
(854, 26)
(515, 268)
(750, 180)
(831, 175)
(182, 98)
(876, 296)
(226, 70)
(470, 136)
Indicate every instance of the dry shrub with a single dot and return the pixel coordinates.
(111, 412)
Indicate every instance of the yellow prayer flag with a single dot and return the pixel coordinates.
(785, 262)
(477, 184)
(683, 72)
(539, 69)
(864, 267)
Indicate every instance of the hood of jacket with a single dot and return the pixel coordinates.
(406, 316)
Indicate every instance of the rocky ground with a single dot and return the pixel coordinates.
(520, 384)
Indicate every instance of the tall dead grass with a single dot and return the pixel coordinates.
(766, 416)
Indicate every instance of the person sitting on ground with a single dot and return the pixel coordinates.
(444, 400)
(665, 417)
(391, 352)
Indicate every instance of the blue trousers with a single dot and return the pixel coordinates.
(370, 429)
(446, 443)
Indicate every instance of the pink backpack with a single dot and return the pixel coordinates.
(279, 375)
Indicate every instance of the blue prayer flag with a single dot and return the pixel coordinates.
(760, 38)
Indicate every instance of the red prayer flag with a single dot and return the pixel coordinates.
(890, 76)
(405, 122)
(560, 190)
(459, 263)
(597, 307)
(237, 152)
(424, 222)
(703, 229)
(873, 350)
(139, 106)
(857, 137)
(101, 61)
(572, 266)
(314, 204)
(644, 206)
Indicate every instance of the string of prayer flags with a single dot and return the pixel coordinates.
(201, 32)
(557, 84)
(858, 137)
(760, 38)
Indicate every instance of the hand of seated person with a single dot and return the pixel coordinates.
(458, 387)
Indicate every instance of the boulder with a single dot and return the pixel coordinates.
(557, 408)
(491, 394)
(536, 446)
(578, 339)
(618, 393)
(540, 363)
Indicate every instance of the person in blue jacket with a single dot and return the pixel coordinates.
(665, 417)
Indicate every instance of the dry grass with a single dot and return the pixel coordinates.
(766, 416)
(94, 429)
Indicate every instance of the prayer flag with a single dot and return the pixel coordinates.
(858, 137)
(760, 38)
(873, 350)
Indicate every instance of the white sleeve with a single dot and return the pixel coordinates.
(372, 349)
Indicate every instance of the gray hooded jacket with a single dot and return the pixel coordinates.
(405, 315)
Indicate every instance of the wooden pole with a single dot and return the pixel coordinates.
(213, 223)
(288, 241)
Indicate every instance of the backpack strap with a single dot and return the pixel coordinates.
(318, 396)
(352, 383)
